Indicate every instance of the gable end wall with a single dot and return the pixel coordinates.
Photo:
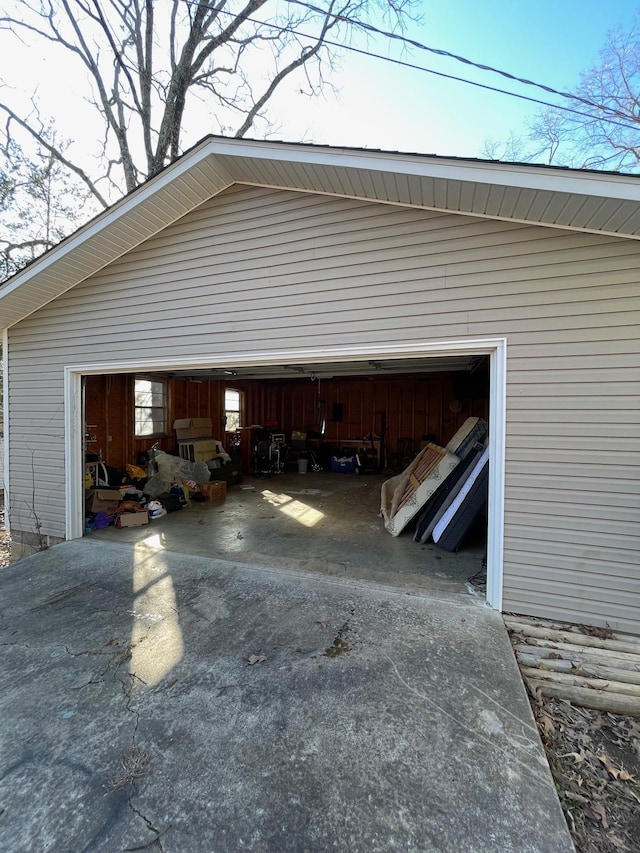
(283, 270)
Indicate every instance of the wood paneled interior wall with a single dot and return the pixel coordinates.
(426, 404)
(109, 414)
(433, 404)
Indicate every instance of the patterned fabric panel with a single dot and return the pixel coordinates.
(416, 487)
(472, 430)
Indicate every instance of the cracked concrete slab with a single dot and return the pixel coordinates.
(152, 700)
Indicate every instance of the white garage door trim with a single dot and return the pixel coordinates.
(496, 348)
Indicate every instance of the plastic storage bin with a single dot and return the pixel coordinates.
(343, 464)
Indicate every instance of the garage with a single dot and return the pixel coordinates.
(347, 427)
(329, 287)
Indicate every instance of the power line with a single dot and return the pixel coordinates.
(478, 85)
(439, 52)
(455, 78)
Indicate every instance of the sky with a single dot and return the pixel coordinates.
(384, 106)
(379, 105)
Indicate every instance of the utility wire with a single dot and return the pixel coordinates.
(439, 52)
(413, 66)
(475, 83)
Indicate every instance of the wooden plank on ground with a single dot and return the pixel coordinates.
(589, 670)
(570, 650)
(601, 700)
(561, 662)
(577, 639)
(572, 680)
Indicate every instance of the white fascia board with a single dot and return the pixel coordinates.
(499, 174)
(622, 187)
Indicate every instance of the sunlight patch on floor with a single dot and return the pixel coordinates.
(301, 512)
(157, 644)
(153, 543)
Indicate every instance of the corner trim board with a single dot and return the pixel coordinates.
(5, 413)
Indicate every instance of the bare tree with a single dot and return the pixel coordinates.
(601, 128)
(548, 131)
(610, 137)
(148, 63)
(512, 150)
(38, 203)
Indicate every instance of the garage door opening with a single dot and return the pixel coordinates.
(311, 446)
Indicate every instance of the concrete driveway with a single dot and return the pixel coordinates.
(154, 701)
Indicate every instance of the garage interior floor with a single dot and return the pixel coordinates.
(322, 523)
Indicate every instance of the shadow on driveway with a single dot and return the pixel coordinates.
(188, 704)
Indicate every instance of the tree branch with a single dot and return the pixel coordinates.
(122, 45)
(329, 22)
(55, 152)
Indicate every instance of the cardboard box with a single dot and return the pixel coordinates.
(133, 519)
(215, 490)
(193, 428)
(200, 450)
(103, 500)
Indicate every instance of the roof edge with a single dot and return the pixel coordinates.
(523, 175)
(198, 153)
(224, 158)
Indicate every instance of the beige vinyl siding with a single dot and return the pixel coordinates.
(261, 269)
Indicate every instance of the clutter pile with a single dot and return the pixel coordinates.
(135, 496)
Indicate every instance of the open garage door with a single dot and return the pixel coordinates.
(314, 441)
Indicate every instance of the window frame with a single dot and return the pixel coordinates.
(240, 394)
(164, 407)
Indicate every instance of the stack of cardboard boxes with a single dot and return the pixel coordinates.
(102, 500)
(196, 444)
(195, 439)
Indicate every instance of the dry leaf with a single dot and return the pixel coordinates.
(534, 690)
(618, 842)
(611, 768)
(600, 813)
(575, 755)
(578, 798)
(546, 724)
(626, 777)
(255, 659)
(592, 631)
